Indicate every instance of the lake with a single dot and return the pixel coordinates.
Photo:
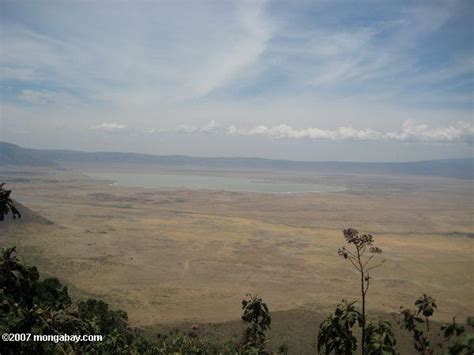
(195, 181)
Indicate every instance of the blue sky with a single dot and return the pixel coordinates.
(307, 80)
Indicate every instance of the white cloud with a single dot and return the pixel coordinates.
(110, 127)
(210, 127)
(343, 55)
(43, 97)
(34, 97)
(155, 57)
(413, 132)
(186, 129)
(226, 62)
(285, 131)
(410, 132)
(237, 68)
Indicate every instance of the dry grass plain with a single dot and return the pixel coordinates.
(169, 257)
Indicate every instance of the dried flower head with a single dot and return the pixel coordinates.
(353, 237)
(375, 250)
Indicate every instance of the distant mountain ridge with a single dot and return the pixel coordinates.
(11, 154)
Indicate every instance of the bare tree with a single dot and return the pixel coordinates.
(363, 256)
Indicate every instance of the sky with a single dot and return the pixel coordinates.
(301, 80)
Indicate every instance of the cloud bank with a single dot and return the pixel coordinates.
(110, 127)
(461, 132)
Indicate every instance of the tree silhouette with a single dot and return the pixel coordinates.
(257, 316)
(335, 333)
(363, 257)
(456, 339)
(6, 204)
(463, 341)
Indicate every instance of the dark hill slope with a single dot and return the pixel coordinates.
(27, 217)
(11, 154)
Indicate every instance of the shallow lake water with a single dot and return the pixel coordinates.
(195, 181)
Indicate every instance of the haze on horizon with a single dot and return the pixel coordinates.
(305, 80)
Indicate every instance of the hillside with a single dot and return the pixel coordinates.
(11, 154)
(27, 217)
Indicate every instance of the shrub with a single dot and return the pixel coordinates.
(257, 316)
(379, 339)
(335, 333)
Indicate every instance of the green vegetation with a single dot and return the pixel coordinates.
(32, 305)
(335, 333)
(377, 338)
(6, 204)
(257, 316)
(454, 338)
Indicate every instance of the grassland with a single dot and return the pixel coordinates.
(189, 256)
